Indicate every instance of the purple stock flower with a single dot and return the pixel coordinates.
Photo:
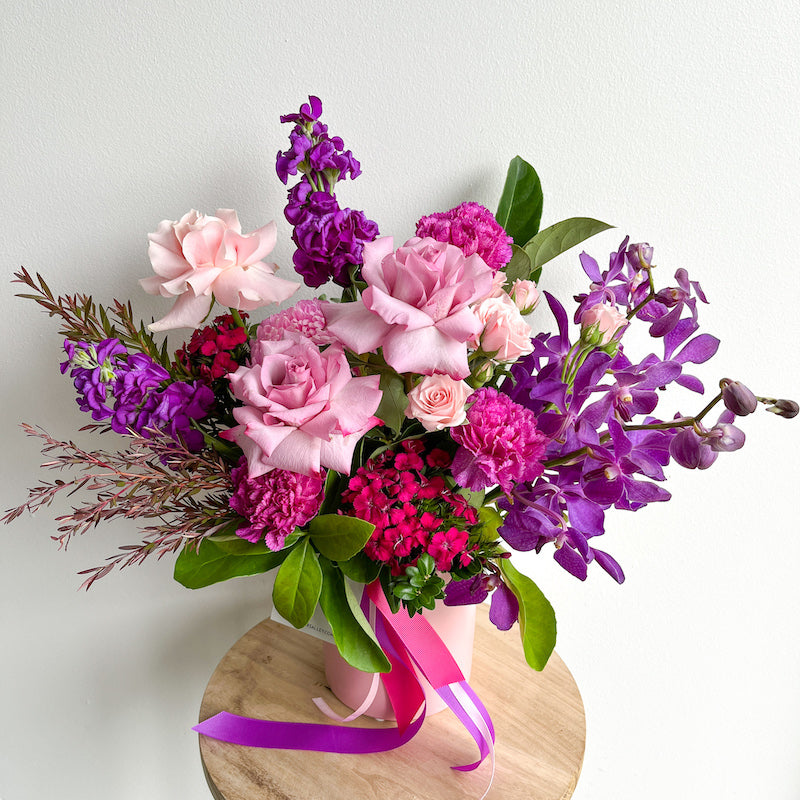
(173, 409)
(92, 371)
(133, 384)
(330, 240)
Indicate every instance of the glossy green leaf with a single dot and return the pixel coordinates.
(519, 268)
(351, 631)
(339, 537)
(537, 620)
(214, 561)
(394, 401)
(298, 585)
(360, 568)
(559, 238)
(520, 207)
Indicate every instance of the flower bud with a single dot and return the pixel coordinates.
(691, 451)
(738, 398)
(784, 408)
(525, 295)
(484, 373)
(600, 323)
(725, 438)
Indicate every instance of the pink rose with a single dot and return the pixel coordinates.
(303, 409)
(505, 332)
(601, 322)
(438, 401)
(416, 306)
(525, 296)
(201, 258)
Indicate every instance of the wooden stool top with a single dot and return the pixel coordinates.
(272, 672)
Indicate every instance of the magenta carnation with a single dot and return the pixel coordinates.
(304, 317)
(275, 503)
(500, 444)
(474, 229)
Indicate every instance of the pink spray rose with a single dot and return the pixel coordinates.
(604, 320)
(438, 402)
(201, 257)
(416, 306)
(303, 409)
(525, 295)
(505, 332)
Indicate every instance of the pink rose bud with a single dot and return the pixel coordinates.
(506, 336)
(600, 323)
(525, 295)
(438, 401)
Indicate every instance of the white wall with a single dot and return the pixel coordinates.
(675, 121)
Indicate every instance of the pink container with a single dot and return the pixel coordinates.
(456, 628)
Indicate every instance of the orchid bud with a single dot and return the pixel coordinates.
(738, 398)
(525, 296)
(784, 408)
(725, 438)
(690, 450)
(600, 323)
(640, 255)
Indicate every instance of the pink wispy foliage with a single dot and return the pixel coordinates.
(154, 478)
(416, 306)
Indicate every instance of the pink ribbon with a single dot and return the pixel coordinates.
(407, 642)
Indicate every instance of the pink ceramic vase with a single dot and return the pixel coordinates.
(456, 628)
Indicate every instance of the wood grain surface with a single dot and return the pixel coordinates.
(273, 671)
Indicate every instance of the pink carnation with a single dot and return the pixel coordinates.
(500, 444)
(274, 504)
(304, 317)
(474, 229)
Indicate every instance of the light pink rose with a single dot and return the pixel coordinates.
(416, 306)
(505, 333)
(303, 409)
(202, 257)
(438, 402)
(525, 295)
(605, 320)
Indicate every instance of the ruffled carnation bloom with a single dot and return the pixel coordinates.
(416, 306)
(438, 402)
(500, 444)
(304, 317)
(303, 409)
(505, 333)
(275, 503)
(201, 257)
(474, 229)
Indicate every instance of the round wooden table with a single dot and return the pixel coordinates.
(272, 672)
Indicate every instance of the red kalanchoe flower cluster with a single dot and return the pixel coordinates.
(215, 350)
(406, 498)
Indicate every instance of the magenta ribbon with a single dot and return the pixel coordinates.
(407, 642)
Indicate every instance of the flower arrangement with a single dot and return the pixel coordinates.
(412, 433)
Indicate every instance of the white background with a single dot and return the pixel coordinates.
(677, 122)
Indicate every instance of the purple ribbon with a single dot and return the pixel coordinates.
(407, 642)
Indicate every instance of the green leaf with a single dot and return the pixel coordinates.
(352, 633)
(519, 268)
(490, 521)
(392, 408)
(214, 561)
(360, 568)
(558, 238)
(339, 537)
(298, 584)
(520, 207)
(537, 620)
